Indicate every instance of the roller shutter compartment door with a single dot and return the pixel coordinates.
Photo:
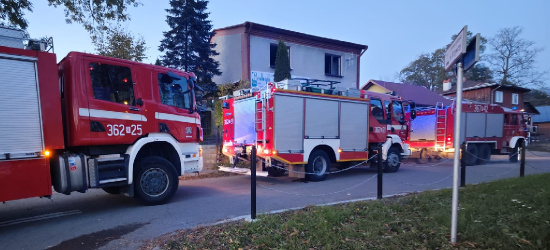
(20, 118)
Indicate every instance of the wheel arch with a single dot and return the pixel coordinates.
(161, 145)
(514, 140)
(328, 150)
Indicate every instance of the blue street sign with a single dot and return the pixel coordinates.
(472, 53)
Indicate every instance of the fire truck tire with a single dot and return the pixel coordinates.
(318, 163)
(111, 190)
(393, 160)
(472, 154)
(515, 154)
(484, 154)
(155, 180)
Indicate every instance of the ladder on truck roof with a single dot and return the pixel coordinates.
(260, 117)
(440, 127)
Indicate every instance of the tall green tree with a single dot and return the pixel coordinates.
(537, 97)
(187, 44)
(93, 15)
(429, 70)
(513, 58)
(282, 63)
(121, 44)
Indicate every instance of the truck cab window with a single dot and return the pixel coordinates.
(397, 111)
(112, 83)
(514, 119)
(376, 109)
(174, 90)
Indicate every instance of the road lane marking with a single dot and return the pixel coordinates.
(38, 218)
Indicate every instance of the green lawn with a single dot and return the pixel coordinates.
(505, 214)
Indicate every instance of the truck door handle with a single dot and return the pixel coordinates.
(134, 109)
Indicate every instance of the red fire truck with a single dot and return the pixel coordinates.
(304, 127)
(94, 122)
(486, 129)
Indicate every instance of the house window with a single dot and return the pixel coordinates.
(498, 96)
(515, 98)
(332, 65)
(273, 53)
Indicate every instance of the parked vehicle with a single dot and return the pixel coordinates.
(486, 129)
(302, 127)
(94, 122)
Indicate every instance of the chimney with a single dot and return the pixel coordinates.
(447, 85)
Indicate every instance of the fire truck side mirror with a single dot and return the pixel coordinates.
(139, 102)
(413, 110)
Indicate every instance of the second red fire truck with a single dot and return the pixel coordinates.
(303, 127)
(486, 129)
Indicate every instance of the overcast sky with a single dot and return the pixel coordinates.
(397, 32)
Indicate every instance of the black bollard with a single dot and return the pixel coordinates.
(253, 183)
(522, 164)
(380, 170)
(463, 165)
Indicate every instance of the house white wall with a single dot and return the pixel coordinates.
(305, 61)
(229, 57)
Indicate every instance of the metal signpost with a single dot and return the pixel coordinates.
(458, 52)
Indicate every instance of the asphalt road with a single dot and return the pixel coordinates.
(99, 220)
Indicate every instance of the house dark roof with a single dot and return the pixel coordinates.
(472, 85)
(544, 115)
(529, 108)
(419, 94)
(293, 36)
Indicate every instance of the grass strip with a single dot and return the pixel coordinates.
(504, 214)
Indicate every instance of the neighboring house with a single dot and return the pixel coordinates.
(247, 52)
(422, 96)
(542, 121)
(507, 96)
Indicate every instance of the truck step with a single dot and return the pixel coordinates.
(107, 172)
(244, 171)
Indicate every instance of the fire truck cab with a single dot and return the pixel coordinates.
(303, 128)
(94, 122)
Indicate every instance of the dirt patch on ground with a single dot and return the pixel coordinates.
(97, 239)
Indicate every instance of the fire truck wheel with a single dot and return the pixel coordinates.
(472, 154)
(393, 160)
(515, 154)
(484, 154)
(111, 190)
(318, 163)
(155, 180)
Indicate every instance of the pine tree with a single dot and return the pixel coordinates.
(187, 45)
(282, 63)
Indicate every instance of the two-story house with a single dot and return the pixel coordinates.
(507, 96)
(247, 52)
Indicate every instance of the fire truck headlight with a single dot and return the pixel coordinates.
(266, 151)
(225, 150)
